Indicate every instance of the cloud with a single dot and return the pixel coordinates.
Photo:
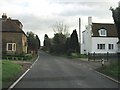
(39, 16)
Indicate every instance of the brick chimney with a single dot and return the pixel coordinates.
(119, 4)
(4, 16)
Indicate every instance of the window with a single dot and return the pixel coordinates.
(110, 46)
(103, 32)
(101, 46)
(11, 46)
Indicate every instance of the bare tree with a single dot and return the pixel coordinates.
(61, 28)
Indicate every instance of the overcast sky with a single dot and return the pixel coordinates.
(40, 15)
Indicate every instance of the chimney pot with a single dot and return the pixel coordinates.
(4, 16)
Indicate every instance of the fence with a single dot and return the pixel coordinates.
(105, 56)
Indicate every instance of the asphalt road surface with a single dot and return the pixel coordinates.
(58, 72)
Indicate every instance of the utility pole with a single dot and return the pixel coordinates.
(80, 34)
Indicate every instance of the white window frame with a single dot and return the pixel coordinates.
(100, 46)
(110, 46)
(13, 46)
(103, 32)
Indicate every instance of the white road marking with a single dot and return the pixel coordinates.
(107, 77)
(13, 85)
(18, 80)
(34, 62)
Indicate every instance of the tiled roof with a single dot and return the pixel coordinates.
(111, 29)
(17, 21)
(9, 25)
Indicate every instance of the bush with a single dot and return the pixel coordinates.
(70, 51)
(17, 57)
(83, 56)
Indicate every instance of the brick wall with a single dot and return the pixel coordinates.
(8, 37)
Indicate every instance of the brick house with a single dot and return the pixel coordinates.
(14, 40)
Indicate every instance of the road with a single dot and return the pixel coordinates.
(58, 72)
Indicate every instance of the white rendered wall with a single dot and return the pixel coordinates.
(106, 41)
(86, 45)
(87, 41)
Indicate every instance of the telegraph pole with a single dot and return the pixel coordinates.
(80, 34)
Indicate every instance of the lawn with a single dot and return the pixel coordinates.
(112, 70)
(9, 71)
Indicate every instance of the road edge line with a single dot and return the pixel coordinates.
(108, 77)
(13, 85)
(18, 79)
(34, 62)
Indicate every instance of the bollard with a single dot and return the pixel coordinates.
(102, 62)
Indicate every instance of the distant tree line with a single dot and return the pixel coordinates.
(33, 43)
(62, 42)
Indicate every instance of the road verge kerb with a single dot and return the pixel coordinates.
(13, 85)
(108, 77)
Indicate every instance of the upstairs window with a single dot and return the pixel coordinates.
(103, 32)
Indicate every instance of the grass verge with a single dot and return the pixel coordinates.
(112, 70)
(12, 69)
(9, 72)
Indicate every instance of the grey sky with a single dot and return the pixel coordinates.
(40, 15)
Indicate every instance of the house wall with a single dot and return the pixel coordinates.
(24, 43)
(118, 45)
(8, 37)
(89, 43)
(106, 41)
(86, 45)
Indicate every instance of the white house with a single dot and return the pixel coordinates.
(99, 38)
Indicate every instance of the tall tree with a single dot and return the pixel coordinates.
(59, 39)
(67, 46)
(116, 18)
(59, 43)
(74, 44)
(33, 42)
(38, 44)
(47, 43)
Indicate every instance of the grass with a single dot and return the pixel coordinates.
(75, 55)
(72, 56)
(9, 71)
(113, 70)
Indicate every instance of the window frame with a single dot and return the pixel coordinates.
(13, 47)
(101, 46)
(102, 32)
(110, 46)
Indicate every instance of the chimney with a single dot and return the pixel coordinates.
(4, 16)
(89, 20)
(119, 4)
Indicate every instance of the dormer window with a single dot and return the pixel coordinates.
(103, 32)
